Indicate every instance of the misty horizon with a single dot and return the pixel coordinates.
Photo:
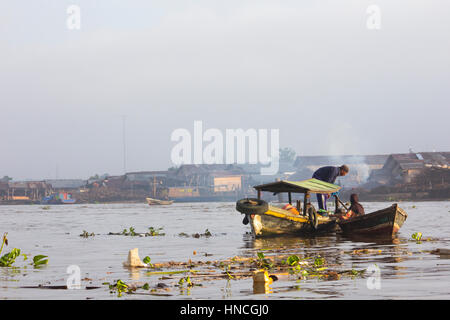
(315, 72)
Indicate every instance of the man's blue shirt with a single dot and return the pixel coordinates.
(327, 174)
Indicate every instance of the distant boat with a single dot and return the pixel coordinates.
(153, 202)
(58, 198)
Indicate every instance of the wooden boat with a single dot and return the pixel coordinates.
(268, 220)
(152, 202)
(385, 222)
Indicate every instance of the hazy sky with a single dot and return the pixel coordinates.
(311, 69)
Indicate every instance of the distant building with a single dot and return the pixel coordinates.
(205, 182)
(4, 187)
(66, 184)
(226, 183)
(404, 167)
(24, 190)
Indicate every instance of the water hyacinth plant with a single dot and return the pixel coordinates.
(417, 236)
(8, 259)
(39, 260)
(155, 232)
(132, 232)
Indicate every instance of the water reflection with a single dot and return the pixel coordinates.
(289, 242)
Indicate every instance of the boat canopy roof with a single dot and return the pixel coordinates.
(310, 185)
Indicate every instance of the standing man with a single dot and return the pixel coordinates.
(328, 174)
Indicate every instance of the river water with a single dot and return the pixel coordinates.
(407, 269)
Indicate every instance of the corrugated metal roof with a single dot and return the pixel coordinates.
(408, 161)
(66, 183)
(18, 185)
(310, 185)
(411, 165)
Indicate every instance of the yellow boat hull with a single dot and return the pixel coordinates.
(276, 221)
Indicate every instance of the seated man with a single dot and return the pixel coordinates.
(328, 174)
(356, 209)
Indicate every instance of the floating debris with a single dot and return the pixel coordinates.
(133, 260)
(261, 282)
(56, 287)
(365, 251)
(443, 253)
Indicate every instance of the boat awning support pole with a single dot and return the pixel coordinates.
(336, 205)
(306, 203)
(290, 198)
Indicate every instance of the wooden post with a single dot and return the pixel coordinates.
(259, 194)
(336, 205)
(306, 203)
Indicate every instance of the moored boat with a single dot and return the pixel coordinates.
(58, 198)
(385, 222)
(152, 202)
(268, 220)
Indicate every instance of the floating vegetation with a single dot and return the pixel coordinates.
(39, 260)
(130, 233)
(417, 236)
(46, 208)
(8, 259)
(187, 281)
(147, 261)
(319, 261)
(206, 234)
(155, 232)
(263, 262)
(86, 234)
(186, 275)
(152, 232)
(119, 287)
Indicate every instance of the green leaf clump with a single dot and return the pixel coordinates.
(40, 260)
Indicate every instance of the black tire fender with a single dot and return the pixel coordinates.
(252, 206)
